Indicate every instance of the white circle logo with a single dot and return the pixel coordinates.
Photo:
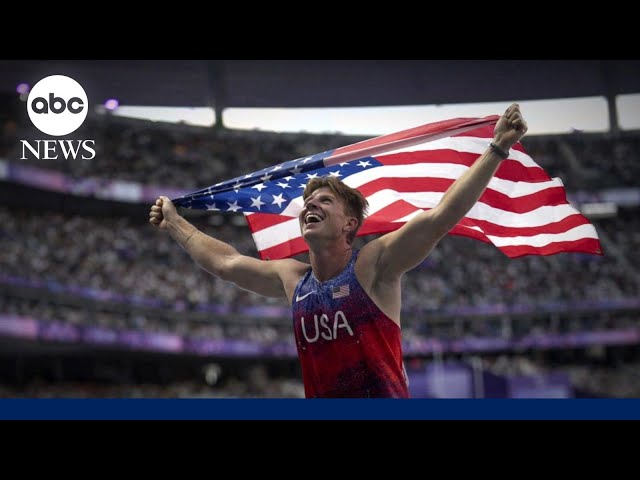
(57, 105)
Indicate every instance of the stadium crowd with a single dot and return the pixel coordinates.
(119, 273)
(115, 255)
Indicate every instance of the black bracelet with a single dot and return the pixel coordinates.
(501, 153)
(189, 237)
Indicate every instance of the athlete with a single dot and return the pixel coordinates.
(346, 301)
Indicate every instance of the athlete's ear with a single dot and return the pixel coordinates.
(351, 224)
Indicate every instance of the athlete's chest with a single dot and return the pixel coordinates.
(327, 311)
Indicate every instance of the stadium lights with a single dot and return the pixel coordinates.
(599, 209)
(111, 104)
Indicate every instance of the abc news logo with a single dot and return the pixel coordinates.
(57, 106)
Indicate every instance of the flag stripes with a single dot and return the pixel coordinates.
(523, 211)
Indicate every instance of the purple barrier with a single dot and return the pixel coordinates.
(454, 379)
(21, 327)
(25, 327)
(448, 380)
(275, 311)
(38, 177)
(550, 385)
(100, 335)
(152, 192)
(267, 311)
(122, 191)
(59, 332)
(135, 192)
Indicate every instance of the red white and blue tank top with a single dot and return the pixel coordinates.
(347, 346)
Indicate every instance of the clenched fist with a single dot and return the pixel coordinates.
(162, 212)
(510, 128)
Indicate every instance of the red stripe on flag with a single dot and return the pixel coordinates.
(583, 245)
(561, 226)
(508, 170)
(380, 227)
(431, 128)
(259, 221)
(379, 221)
(285, 249)
(406, 139)
(526, 203)
(465, 231)
(379, 224)
(487, 132)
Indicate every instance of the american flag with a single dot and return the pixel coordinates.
(341, 291)
(522, 212)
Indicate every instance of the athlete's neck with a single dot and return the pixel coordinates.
(329, 262)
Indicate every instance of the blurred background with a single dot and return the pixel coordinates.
(95, 302)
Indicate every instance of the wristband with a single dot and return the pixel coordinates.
(190, 235)
(501, 153)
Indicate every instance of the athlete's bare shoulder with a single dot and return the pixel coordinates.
(290, 265)
(290, 271)
(382, 289)
(366, 263)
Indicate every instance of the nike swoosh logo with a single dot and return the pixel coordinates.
(299, 298)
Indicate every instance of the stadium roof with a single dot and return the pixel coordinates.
(329, 83)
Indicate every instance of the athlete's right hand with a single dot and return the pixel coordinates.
(162, 212)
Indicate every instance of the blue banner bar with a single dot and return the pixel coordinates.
(308, 409)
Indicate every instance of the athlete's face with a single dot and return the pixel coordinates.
(323, 215)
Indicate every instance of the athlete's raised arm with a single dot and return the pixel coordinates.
(275, 278)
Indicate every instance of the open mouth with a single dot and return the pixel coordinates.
(312, 218)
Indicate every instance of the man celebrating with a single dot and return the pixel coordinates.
(346, 303)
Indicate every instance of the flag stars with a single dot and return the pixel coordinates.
(266, 177)
(212, 207)
(259, 187)
(364, 164)
(278, 200)
(237, 186)
(335, 174)
(295, 170)
(306, 159)
(311, 175)
(283, 185)
(234, 207)
(256, 202)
